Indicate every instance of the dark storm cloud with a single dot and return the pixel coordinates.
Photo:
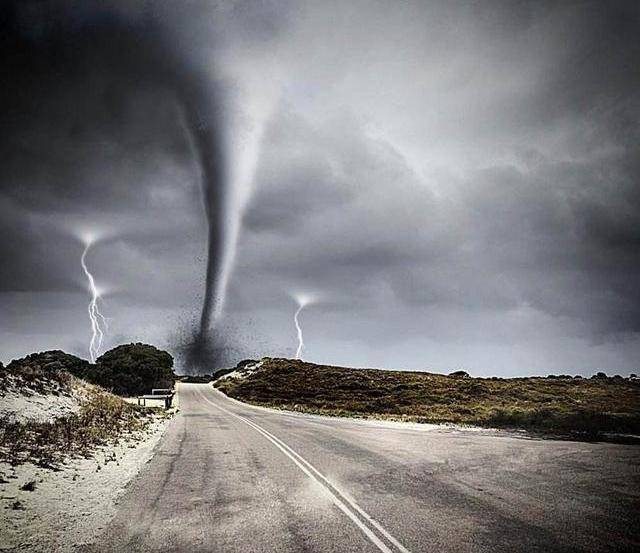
(518, 196)
(559, 236)
(76, 100)
(458, 182)
(25, 254)
(89, 110)
(289, 164)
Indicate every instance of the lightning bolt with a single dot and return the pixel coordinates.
(299, 329)
(98, 322)
(302, 300)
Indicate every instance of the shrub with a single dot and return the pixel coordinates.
(134, 369)
(460, 374)
(41, 370)
(131, 369)
(104, 418)
(196, 378)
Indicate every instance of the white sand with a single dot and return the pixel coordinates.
(20, 402)
(243, 372)
(68, 508)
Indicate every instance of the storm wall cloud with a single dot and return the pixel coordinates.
(458, 181)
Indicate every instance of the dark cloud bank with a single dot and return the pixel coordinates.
(459, 184)
(79, 76)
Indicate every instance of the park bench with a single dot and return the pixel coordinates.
(158, 393)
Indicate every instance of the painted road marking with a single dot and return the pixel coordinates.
(332, 490)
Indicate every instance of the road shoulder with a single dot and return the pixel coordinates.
(68, 507)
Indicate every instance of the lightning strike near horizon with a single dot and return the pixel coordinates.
(98, 322)
(302, 300)
(299, 329)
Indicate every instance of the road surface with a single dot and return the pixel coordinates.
(234, 478)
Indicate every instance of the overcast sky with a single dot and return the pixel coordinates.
(457, 184)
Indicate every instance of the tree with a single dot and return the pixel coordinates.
(134, 369)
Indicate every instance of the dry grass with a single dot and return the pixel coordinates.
(585, 407)
(103, 419)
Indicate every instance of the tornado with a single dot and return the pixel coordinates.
(114, 53)
(188, 76)
(213, 198)
(199, 101)
(204, 126)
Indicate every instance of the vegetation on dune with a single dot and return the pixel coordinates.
(127, 370)
(558, 405)
(102, 419)
(206, 378)
(133, 369)
(49, 368)
(196, 378)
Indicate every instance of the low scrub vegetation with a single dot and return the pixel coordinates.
(41, 372)
(560, 405)
(127, 370)
(54, 407)
(206, 378)
(103, 418)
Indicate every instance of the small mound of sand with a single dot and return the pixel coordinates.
(41, 399)
(242, 371)
(68, 507)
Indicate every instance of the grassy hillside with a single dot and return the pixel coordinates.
(559, 405)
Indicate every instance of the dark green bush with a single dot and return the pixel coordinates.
(44, 370)
(460, 374)
(134, 369)
(128, 370)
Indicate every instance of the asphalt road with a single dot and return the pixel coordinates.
(230, 477)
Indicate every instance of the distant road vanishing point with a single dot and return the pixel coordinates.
(230, 477)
